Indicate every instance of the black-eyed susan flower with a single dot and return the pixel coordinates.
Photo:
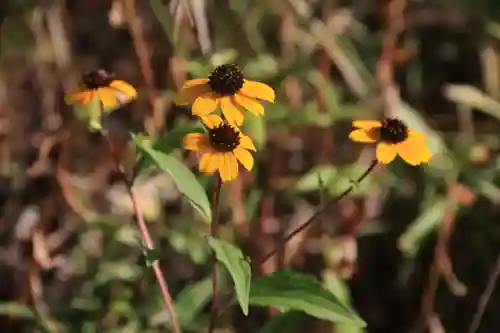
(226, 87)
(393, 138)
(101, 84)
(221, 148)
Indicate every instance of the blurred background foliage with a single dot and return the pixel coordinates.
(411, 250)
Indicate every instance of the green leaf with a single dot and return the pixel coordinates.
(334, 179)
(173, 140)
(432, 214)
(293, 291)
(188, 304)
(262, 67)
(16, 310)
(311, 180)
(255, 128)
(184, 179)
(191, 300)
(472, 97)
(338, 286)
(285, 323)
(238, 267)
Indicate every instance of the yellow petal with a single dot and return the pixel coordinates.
(190, 94)
(77, 96)
(416, 135)
(211, 120)
(245, 158)
(229, 170)
(205, 104)
(366, 124)
(107, 97)
(193, 141)
(124, 87)
(254, 89)
(414, 151)
(194, 82)
(360, 135)
(248, 103)
(231, 111)
(246, 143)
(89, 97)
(209, 162)
(386, 152)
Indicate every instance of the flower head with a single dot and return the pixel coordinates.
(221, 148)
(226, 87)
(392, 138)
(111, 93)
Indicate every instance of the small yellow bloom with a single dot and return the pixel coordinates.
(226, 87)
(111, 93)
(392, 138)
(221, 148)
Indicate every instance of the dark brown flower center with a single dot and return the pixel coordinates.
(224, 138)
(97, 79)
(226, 80)
(393, 131)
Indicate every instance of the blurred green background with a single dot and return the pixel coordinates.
(412, 249)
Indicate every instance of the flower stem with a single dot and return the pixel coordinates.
(322, 210)
(214, 231)
(331, 203)
(485, 298)
(147, 238)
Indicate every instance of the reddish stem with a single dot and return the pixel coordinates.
(147, 238)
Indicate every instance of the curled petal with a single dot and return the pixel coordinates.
(414, 151)
(250, 104)
(366, 124)
(194, 82)
(416, 135)
(229, 169)
(205, 104)
(124, 87)
(189, 95)
(107, 97)
(79, 96)
(258, 90)
(209, 162)
(386, 152)
(361, 135)
(246, 143)
(245, 158)
(211, 120)
(231, 111)
(194, 141)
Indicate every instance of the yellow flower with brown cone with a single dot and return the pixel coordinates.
(225, 87)
(101, 84)
(393, 138)
(221, 148)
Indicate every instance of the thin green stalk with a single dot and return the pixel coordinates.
(485, 298)
(214, 231)
(322, 210)
(331, 203)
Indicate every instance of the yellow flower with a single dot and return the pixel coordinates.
(111, 93)
(221, 148)
(226, 87)
(392, 138)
